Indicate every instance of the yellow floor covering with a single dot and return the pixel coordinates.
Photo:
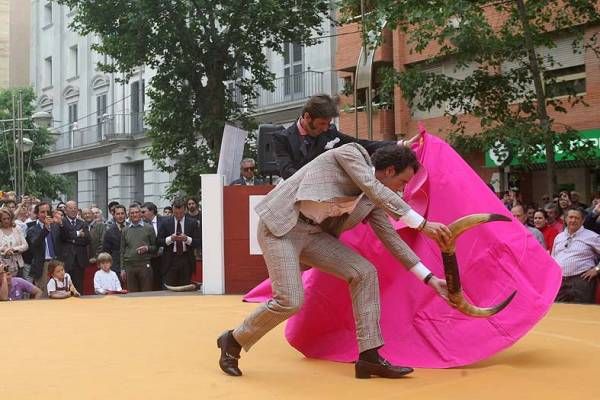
(164, 348)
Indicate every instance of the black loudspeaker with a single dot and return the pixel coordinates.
(267, 163)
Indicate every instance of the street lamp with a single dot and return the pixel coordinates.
(41, 119)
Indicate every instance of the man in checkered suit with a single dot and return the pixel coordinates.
(300, 221)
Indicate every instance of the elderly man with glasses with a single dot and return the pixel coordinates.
(577, 251)
(247, 178)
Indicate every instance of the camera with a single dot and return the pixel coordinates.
(4, 268)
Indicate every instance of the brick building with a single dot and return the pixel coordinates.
(398, 119)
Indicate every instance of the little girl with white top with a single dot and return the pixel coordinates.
(60, 285)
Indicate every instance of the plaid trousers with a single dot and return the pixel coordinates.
(308, 244)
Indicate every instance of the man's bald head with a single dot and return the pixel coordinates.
(519, 213)
(71, 209)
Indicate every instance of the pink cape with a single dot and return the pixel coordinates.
(419, 328)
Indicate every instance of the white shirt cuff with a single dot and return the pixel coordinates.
(412, 219)
(168, 240)
(420, 271)
(188, 241)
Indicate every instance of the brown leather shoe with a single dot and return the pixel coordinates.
(230, 354)
(382, 368)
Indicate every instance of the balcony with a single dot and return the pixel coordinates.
(290, 90)
(110, 127)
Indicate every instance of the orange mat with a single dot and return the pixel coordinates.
(164, 348)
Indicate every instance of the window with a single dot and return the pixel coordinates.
(564, 65)
(293, 67)
(565, 81)
(137, 107)
(72, 123)
(100, 187)
(132, 180)
(450, 69)
(47, 78)
(72, 187)
(73, 61)
(47, 14)
(100, 116)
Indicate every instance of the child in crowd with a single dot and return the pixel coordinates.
(60, 285)
(105, 280)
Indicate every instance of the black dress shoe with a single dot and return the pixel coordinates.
(382, 368)
(230, 354)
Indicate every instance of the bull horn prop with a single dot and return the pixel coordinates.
(192, 287)
(455, 293)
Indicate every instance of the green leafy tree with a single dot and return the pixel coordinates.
(38, 182)
(195, 47)
(509, 86)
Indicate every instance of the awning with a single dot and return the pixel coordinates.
(494, 159)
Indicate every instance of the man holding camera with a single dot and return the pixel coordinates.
(43, 237)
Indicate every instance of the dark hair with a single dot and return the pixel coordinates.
(36, 208)
(541, 210)
(150, 206)
(321, 106)
(578, 209)
(178, 202)
(135, 204)
(400, 157)
(168, 208)
(565, 192)
(112, 204)
(193, 198)
(121, 206)
(52, 265)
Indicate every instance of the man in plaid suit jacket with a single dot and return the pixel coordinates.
(299, 223)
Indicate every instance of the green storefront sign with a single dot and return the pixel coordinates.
(495, 158)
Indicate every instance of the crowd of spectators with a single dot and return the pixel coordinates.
(45, 250)
(570, 231)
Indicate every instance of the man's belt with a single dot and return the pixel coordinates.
(305, 219)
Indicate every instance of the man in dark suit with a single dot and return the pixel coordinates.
(179, 235)
(247, 178)
(75, 237)
(151, 217)
(111, 243)
(43, 238)
(313, 134)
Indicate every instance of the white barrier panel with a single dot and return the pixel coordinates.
(253, 224)
(213, 252)
(232, 151)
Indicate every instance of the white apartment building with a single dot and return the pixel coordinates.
(100, 121)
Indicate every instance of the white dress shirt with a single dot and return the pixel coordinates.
(578, 252)
(187, 242)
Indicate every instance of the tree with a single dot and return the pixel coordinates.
(509, 85)
(38, 182)
(195, 47)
